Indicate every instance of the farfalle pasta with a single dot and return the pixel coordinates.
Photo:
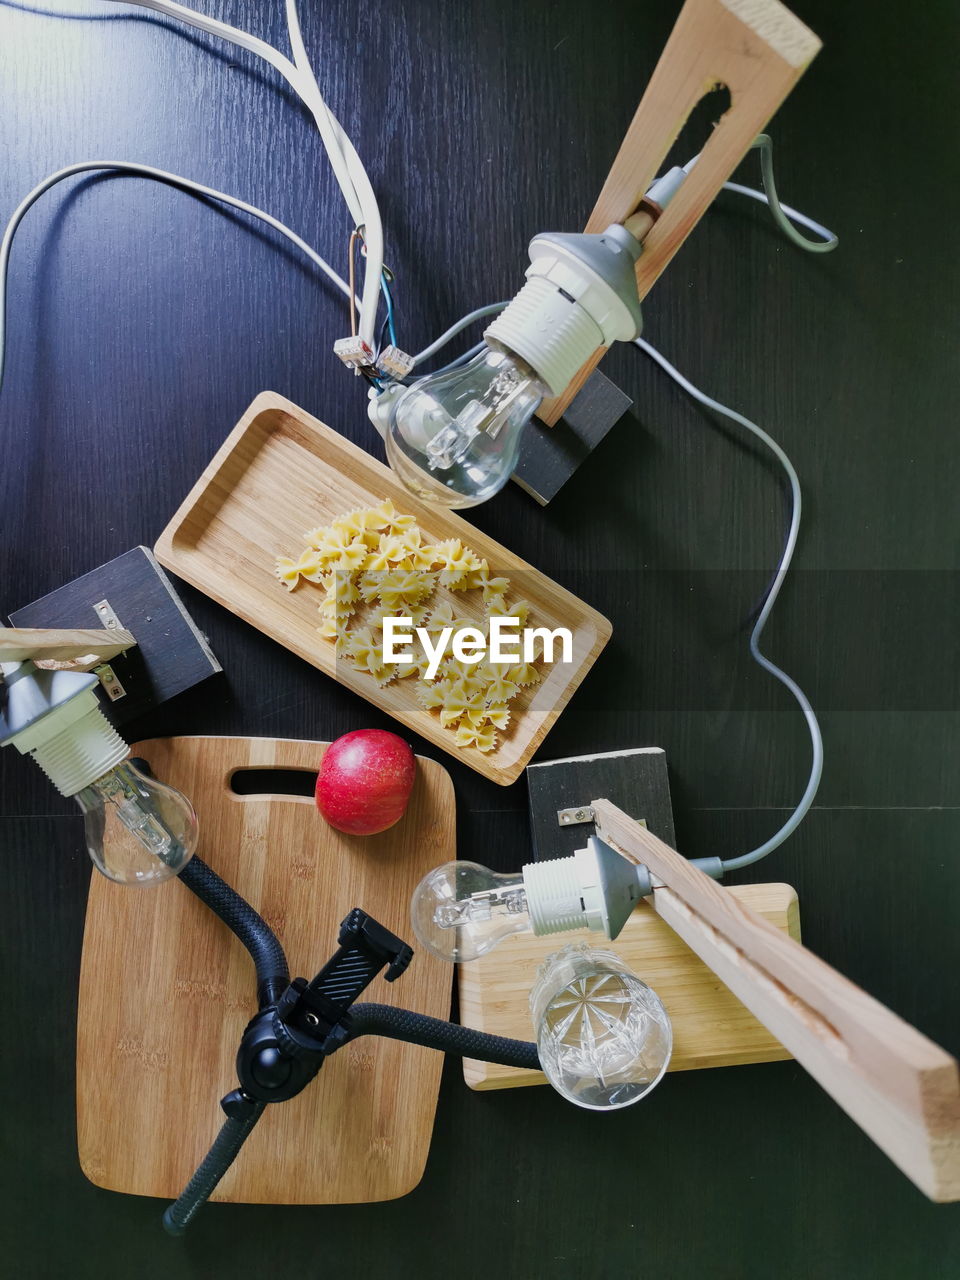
(376, 562)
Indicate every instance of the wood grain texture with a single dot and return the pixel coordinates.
(758, 50)
(901, 1088)
(166, 990)
(17, 644)
(711, 1028)
(279, 472)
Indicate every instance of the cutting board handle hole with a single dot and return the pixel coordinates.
(272, 782)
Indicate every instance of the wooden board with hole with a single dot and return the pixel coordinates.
(166, 991)
(711, 1028)
(755, 48)
(280, 472)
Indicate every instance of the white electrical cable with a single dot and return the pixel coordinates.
(347, 167)
(371, 222)
(816, 739)
(145, 171)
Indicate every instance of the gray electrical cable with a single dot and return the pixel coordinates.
(454, 329)
(816, 739)
(143, 171)
(461, 360)
(780, 212)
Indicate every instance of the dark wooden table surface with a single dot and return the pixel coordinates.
(142, 322)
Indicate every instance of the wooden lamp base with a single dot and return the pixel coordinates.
(711, 1028)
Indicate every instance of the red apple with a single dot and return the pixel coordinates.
(365, 781)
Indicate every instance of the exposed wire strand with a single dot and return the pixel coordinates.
(388, 302)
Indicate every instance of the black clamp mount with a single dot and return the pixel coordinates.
(285, 1044)
(301, 1023)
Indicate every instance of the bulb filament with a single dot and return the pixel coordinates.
(480, 907)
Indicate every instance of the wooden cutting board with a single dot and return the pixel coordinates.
(166, 991)
(711, 1028)
(280, 472)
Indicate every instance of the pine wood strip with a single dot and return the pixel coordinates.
(711, 1028)
(166, 990)
(758, 49)
(280, 472)
(19, 644)
(898, 1086)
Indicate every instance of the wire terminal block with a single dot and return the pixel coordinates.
(394, 363)
(355, 353)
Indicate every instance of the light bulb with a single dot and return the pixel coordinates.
(138, 831)
(453, 438)
(462, 910)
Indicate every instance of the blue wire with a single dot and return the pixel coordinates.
(389, 301)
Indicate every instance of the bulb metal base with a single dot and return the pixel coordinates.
(553, 895)
(81, 750)
(581, 294)
(548, 330)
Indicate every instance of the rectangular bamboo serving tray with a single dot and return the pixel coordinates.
(280, 472)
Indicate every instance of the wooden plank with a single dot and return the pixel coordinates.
(711, 1028)
(900, 1088)
(758, 49)
(166, 990)
(279, 472)
(18, 644)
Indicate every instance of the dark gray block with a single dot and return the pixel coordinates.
(170, 655)
(550, 455)
(636, 780)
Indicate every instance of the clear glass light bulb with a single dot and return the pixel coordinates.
(454, 437)
(461, 910)
(138, 830)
